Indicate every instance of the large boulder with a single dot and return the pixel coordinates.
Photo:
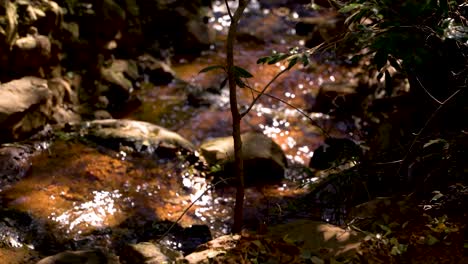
(264, 160)
(142, 137)
(29, 103)
(19, 99)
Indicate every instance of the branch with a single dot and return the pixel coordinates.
(236, 117)
(188, 208)
(293, 107)
(228, 9)
(262, 92)
(428, 93)
(418, 135)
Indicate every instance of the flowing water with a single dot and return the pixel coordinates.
(81, 190)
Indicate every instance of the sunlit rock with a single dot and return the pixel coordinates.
(18, 100)
(29, 103)
(319, 238)
(141, 136)
(264, 161)
(148, 253)
(95, 256)
(14, 164)
(216, 247)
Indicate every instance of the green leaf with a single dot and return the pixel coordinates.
(277, 58)
(211, 68)
(263, 60)
(240, 83)
(242, 73)
(431, 240)
(437, 196)
(386, 229)
(350, 7)
(292, 62)
(305, 60)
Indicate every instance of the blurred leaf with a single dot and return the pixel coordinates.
(292, 62)
(240, 83)
(242, 73)
(317, 260)
(436, 141)
(277, 58)
(386, 229)
(304, 60)
(404, 225)
(350, 7)
(437, 196)
(431, 240)
(211, 68)
(306, 254)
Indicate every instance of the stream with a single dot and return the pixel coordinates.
(81, 195)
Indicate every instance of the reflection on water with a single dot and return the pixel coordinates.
(92, 213)
(82, 189)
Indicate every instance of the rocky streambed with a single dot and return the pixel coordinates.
(95, 188)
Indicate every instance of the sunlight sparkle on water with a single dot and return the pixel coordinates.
(92, 213)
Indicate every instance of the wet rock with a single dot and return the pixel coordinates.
(320, 239)
(20, 95)
(141, 136)
(158, 71)
(264, 161)
(95, 256)
(102, 114)
(14, 164)
(148, 253)
(218, 246)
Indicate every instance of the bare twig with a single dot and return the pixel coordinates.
(300, 111)
(188, 208)
(427, 92)
(418, 135)
(262, 92)
(228, 9)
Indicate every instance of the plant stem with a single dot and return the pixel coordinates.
(236, 118)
